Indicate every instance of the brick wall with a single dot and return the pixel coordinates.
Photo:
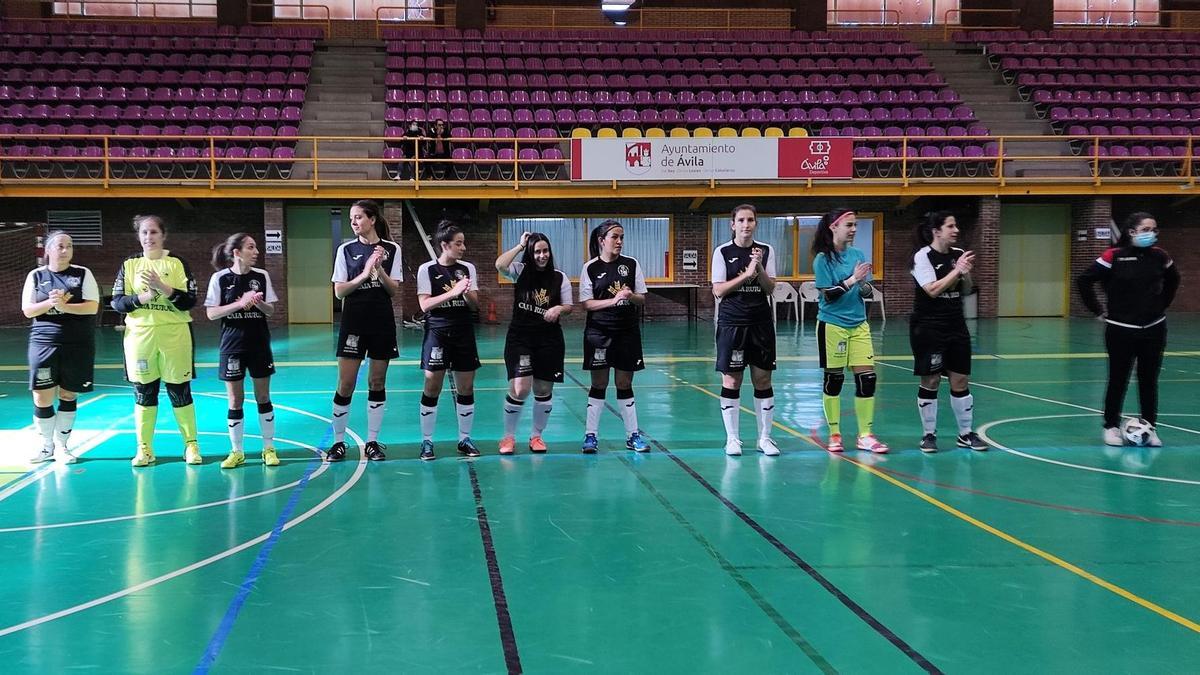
(985, 242)
(1086, 215)
(1179, 226)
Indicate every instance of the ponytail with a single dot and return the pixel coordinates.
(371, 208)
(222, 255)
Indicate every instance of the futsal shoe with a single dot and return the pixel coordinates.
(427, 451)
(43, 455)
(336, 452)
(767, 447)
(636, 443)
(191, 453)
(835, 443)
(234, 460)
(1154, 441)
(270, 457)
(590, 444)
(374, 451)
(1112, 436)
(64, 456)
(144, 456)
(869, 443)
(466, 448)
(733, 447)
(508, 445)
(928, 444)
(536, 444)
(971, 440)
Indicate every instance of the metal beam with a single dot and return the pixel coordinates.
(696, 203)
(906, 200)
(185, 203)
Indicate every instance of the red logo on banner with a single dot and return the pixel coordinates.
(637, 158)
(816, 158)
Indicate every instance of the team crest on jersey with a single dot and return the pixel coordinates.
(43, 376)
(352, 342)
(738, 358)
(541, 297)
(623, 270)
(525, 361)
(255, 286)
(935, 361)
(73, 282)
(233, 366)
(459, 274)
(841, 347)
(436, 354)
(600, 356)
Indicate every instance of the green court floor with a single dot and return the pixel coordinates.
(1049, 554)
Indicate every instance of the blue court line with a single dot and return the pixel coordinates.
(217, 642)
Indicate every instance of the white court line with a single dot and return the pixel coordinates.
(1083, 467)
(194, 507)
(46, 467)
(149, 583)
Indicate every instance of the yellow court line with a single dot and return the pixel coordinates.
(1050, 557)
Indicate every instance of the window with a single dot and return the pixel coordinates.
(146, 8)
(395, 12)
(1105, 12)
(791, 236)
(851, 12)
(647, 239)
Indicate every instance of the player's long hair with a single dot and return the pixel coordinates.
(371, 208)
(1131, 222)
(222, 255)
(445, 233)
(923, 233)
(531, 277)
(600, 232)
(823, 238)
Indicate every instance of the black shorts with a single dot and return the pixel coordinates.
(939, 348)
(451, 348)
(537, 352)
(741, 346)
(68, 366)
(233, 366)
(376, 345)
(608, 348)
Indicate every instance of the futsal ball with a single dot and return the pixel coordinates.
(1136, 431)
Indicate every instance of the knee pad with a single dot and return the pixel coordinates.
(834, 379)
(180, 394)
(597, 392)
(864, 384)
(146, 395)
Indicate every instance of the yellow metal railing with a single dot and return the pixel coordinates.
(325, 22)
(834, 19)
(112, 167)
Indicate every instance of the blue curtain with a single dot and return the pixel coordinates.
(774, 230)
(649, 241)
(567, 237)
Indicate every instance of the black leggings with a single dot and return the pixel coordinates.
(1125, 345)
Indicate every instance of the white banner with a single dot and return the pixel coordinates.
(674, 158)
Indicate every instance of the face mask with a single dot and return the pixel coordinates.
(1144, 239)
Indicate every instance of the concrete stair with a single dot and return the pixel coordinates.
(346, 96)
(998, 105)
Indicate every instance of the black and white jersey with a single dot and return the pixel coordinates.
(370, 303)
(928, 266)
(529, 307)
(602, 281)
(434, 279)
(748, 304)
(245, 329)
(1139, 285)
(55, 326)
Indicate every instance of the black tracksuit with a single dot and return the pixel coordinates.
(1139, 284)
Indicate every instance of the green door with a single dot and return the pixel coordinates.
(1034, 259)
(310, 245)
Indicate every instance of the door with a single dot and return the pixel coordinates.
(310, 245)
(1034, 259)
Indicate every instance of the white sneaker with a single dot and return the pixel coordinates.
(767, 447)
(42, 455)
(1112, 436)
(1155, 441)
(733, 447)
(64, 456)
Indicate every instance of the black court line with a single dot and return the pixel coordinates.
(808, 569)
(508, 639)
(733, 571)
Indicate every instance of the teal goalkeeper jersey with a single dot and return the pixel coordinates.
(849, 310)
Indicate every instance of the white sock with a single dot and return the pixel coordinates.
(730, 412)
(65, 422)
(237, 429)
(541, 414)
(964, 407)
(341, 417)
(512, 415)
(928, 409)
(764, 408)
(594, 408)
(266, 424)
(465, 407)
(628, 410)
(428, 417)
(376, 406)
(45, 424)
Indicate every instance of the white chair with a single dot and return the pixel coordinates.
(876, 297)
(784, 293)
(808, 293)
